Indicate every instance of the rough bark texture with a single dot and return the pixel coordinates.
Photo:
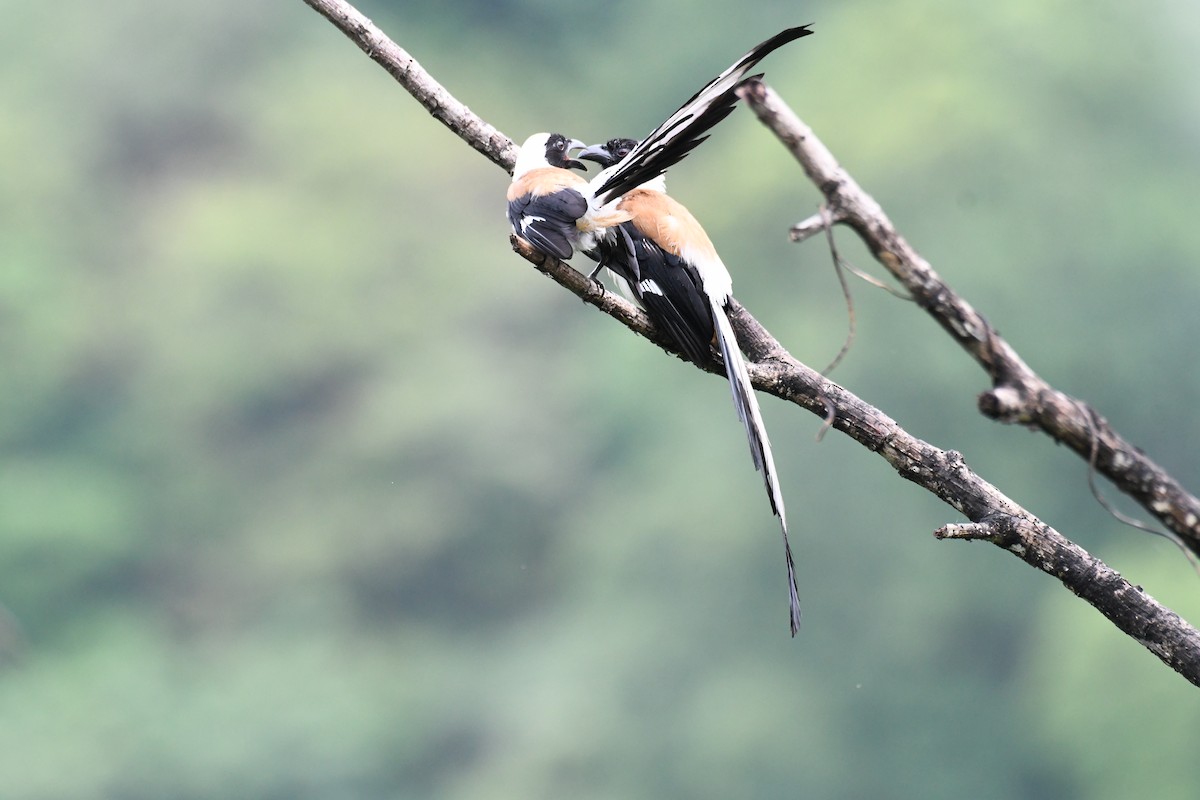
(1024, 397)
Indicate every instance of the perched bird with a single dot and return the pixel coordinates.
(557, 211)
(545, 198)
(624, 219)
(686, 290)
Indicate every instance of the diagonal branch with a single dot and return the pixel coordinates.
(994, 517)
(1018, 394)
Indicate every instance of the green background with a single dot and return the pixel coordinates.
(310, 488)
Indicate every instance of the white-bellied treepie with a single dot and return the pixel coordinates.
(685, 288)
(624, 219)
(545, 197)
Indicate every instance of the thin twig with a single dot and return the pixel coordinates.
(822, 222)
(1115, 512)
(830, 411)
(839, 270)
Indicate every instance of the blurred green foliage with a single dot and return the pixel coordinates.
(309, 488)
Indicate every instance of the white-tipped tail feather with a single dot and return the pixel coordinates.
(748, 411)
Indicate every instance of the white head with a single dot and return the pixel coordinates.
(546, 150)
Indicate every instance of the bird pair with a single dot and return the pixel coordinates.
(653, 246)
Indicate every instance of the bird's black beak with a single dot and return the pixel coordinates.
(597, 153)
(575, 144)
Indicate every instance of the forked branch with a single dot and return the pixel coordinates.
(1018, 394)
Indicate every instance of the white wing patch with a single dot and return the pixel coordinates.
(528, 220)
(649, 286)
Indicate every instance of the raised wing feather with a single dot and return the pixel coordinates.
(671, 141)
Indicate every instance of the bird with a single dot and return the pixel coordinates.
(557, 211)
(624, 219)
(686, 291)
(545, 197)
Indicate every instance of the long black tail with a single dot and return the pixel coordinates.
(760, 447)
(671, 141)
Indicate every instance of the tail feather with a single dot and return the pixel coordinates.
(681, 132)
(746, 403)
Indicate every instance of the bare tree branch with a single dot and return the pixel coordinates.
(994, 517)
(1018, 394)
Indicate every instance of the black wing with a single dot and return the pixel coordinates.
(548, 221)
(671, 291)
(617, 252)
(671, 141)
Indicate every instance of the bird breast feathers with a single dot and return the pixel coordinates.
(543, 181)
